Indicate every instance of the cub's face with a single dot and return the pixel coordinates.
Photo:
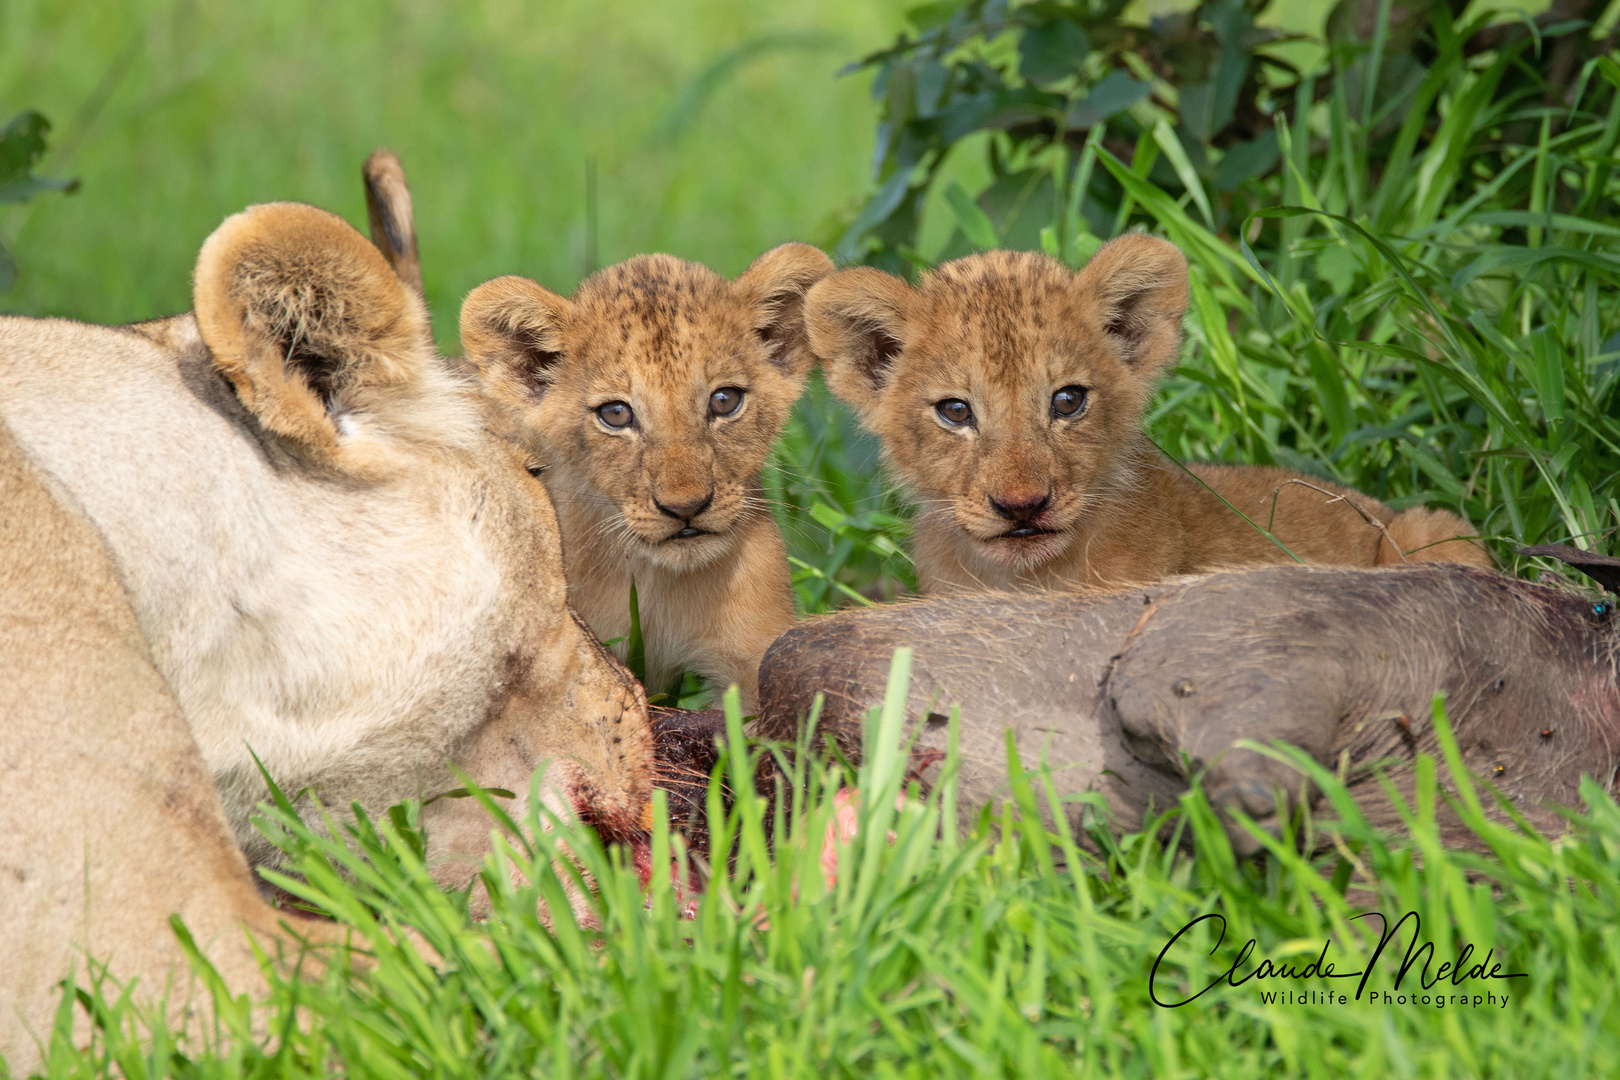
(1005, 386)
(653, 396)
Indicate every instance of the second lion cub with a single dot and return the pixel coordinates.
(1008, 392)
(651, 400)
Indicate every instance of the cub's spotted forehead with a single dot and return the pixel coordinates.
(660, 313)
(997, 285)
(657, 307)
(999, 304)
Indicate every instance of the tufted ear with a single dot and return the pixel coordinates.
(511, 329)
(857, 325)
(393, 225)
(774, 286)
(1138, 283)
(305, 318)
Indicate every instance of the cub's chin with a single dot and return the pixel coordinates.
(682, 554)
(1022, 552)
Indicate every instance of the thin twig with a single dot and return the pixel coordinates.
(1368, 518)
(1267, 533)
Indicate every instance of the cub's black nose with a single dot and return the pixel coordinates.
(684, 510)
(1021, 507)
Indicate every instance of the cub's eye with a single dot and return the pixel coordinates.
(1069, 401)
(536, 471)
(615, 414)
(725, 401)
(954, 411)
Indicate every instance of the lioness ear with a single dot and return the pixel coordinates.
(1139, 285)
(393, 225)
(857, 325)
(301, 315)
(774, 286)
(511, 329)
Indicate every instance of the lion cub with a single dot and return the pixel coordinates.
(1008, 393)
(651, 399)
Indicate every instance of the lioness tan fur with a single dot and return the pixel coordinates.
(672, 498)
(967, 380)
(111, 821)
(282, 527)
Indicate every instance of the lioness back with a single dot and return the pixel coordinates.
(1008, 393)
(651, 400)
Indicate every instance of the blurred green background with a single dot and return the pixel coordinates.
(718, 128)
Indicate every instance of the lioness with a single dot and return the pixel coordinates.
(650, 400)
(1008, 393)
(278, 526)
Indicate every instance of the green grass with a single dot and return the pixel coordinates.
(1006, 951)
(1423, 342)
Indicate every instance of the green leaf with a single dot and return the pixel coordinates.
(826, 516)
(817, 573)
(1246, 160)
(635, 657)
(876, 212)
(1052, 50)
(928, 16)
(710, 81)
(1113, 94)
(1170, 143)
(1546, 371)
(1197, 242)
(932, 78)
(1331, 381)
(22, 144)
(1558, 222)
(1510, 257)
(1197, 108)
(1233, 27)
(1212, 319)
(975, 223)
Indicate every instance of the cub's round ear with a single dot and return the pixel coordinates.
(512, 331)
(1138, 284)
(304, 317)
(857, 324)
(774, 286)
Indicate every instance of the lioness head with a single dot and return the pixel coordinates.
(337, 565)
(653, 396)
(1006, 388)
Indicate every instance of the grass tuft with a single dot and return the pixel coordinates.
(1010, 949)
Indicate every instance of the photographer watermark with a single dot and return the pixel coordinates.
(1461, 982)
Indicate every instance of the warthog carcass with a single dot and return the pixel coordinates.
(1129, 694)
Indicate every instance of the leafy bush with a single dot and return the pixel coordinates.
(1403, 265)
